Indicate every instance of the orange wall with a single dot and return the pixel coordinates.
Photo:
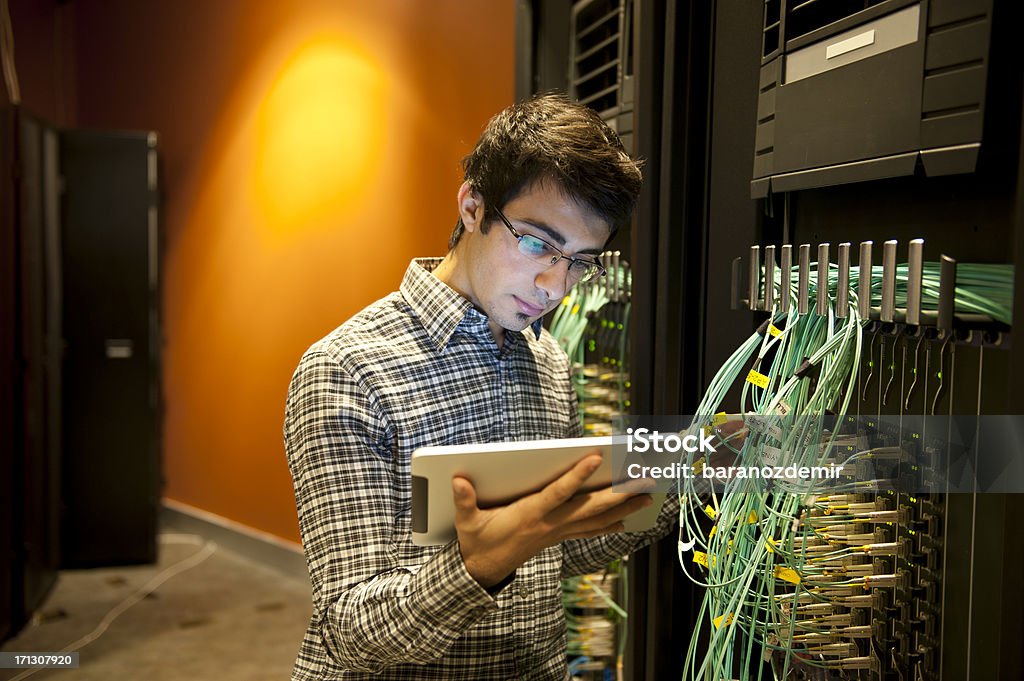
(309, 150)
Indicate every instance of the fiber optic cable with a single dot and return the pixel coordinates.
(772, 555)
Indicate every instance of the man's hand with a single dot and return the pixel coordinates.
(733, 432)
(496, 541)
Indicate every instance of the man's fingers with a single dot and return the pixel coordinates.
(733, 432)
(464, 495)
(613, 528)
(562, 489)
(728, 428)
(635, 486)
(601, 509)
(620, 511)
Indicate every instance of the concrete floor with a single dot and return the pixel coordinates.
(210, 613)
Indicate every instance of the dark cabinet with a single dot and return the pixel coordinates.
(79, 341)
(111, 398)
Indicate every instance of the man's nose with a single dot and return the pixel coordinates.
(554, 280)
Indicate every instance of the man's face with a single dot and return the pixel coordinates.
(511, 289)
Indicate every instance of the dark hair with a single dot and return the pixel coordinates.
(548, 138)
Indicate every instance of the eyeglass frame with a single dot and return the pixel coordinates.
(600, 272)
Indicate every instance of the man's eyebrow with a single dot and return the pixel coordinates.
(556, 236)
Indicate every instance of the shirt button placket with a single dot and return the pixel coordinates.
(501, 402)
(520, 617)
(511, 388)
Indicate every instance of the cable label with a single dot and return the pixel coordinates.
(787, 574)
(723, 620)
(757, 378)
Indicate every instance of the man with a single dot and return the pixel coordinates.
(456, 356)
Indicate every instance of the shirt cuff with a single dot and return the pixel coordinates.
(496, 589)
(445, 589)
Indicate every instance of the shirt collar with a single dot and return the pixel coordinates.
(441, 309)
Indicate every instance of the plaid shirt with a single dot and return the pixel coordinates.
(421, 367)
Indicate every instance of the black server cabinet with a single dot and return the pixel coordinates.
(79, 339)
(40, 330)
(944, 181)
(9, 421)
(696, 215)
(111, 396)
(663, 55)
(30, 461)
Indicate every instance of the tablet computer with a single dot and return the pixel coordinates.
(503, 472)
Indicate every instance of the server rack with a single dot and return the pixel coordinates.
(29, 510)
(41, 334)
(664, 116)
(79, 286)
(939, 161)
(705, 122)
(111, 316)
(11, 611)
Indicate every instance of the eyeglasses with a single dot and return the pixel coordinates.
(538, 250)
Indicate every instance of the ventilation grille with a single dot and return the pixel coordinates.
(955, 71)
(772, 27)
(799, 17)
(599, 57)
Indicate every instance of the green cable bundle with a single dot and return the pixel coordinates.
(780, 566)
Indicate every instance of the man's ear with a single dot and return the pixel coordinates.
(471, 207)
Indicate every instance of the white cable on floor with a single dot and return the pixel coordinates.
(193, 539)
(188, 563)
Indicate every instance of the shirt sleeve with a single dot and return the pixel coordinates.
(583, 556)
(371, 612)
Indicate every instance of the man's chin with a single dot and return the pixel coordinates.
(520, 322)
